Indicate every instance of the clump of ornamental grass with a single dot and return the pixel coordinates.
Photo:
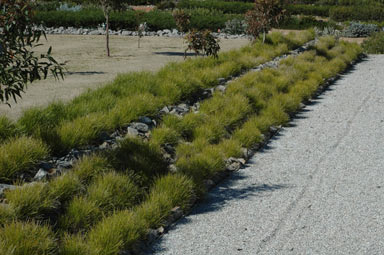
(166, 193)
(81, 131)
(212, 131)
(179, 189)
(80, 215)
(374, 44)
(38, 121)
(73, 245)
(165, 135)
(200, 166)
(131, 108)
(226, 109)
(230, 148)
(7, 129)
(65, 187)
(144, 159)
(89, 167)
(19, 155)
(114, 191)
(249, 134)
(6, 214)
(323, 46)
(116, 233)
(27, 238)
(32, 201)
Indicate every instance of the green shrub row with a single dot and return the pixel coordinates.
(235, 119)
(305, 22)
(341, 2)
(366, 13)
(225, 7)
(314, 10)
(156, 20)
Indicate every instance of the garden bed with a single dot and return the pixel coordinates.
(133, 188)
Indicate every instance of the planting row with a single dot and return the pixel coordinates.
(86, 119)
(109, 201)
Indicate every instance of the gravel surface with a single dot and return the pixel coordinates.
(317, 188)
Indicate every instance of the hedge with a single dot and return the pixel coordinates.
(368, 13)
(315, 10)
(156, 20)
(225, 7)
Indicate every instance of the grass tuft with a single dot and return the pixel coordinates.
(27, 238)
(80, 215)
(19, 156)
(114, 191)
(31, 201)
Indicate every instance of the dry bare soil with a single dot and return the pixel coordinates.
(88, 66)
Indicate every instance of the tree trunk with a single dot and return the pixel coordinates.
(107, 33)
(263, 35)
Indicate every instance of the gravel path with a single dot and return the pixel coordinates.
(317, 188)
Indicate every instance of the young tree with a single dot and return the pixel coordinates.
(18, 62)
(264, 15)
(108, 6)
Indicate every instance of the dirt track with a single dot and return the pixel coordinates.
(89, 67)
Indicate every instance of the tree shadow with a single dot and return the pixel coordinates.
(175, 54)
(84, 73)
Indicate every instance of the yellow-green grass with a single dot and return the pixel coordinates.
(27, 238)
(114, 191)
(269, 96)
(19, 155)
(80, 122)
(172, 83)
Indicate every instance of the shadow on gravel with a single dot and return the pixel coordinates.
(218, 198)
(227, 190)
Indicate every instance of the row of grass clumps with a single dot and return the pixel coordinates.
(109, 201)
(81, 122)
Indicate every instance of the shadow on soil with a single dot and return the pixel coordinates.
(175, 54)
(84, 73)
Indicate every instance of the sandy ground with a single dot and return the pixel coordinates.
(89, 67)
(316, 188)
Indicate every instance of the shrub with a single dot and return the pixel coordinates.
(235, 26)
(202, 41)
(80, 215)
(357, 29)
(19, 156)
(374, 44)
(31, 201)
(27, 238)
(114, 192)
